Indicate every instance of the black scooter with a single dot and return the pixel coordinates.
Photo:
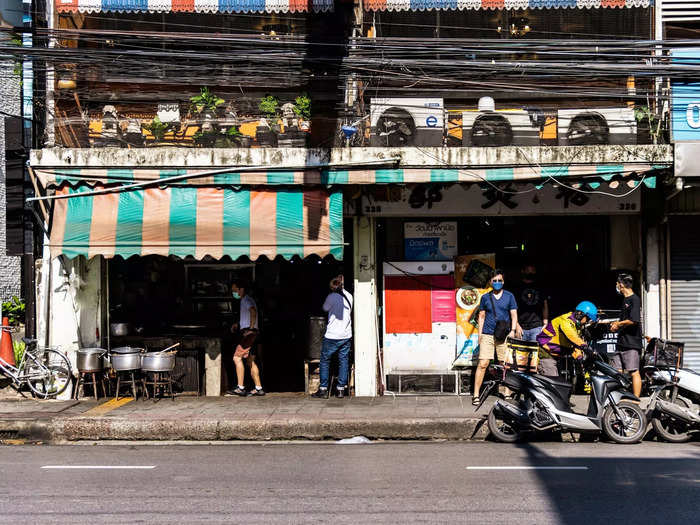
(542, 404)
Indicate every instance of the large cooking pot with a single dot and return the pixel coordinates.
(157, 362)
(119, 329)
(126, 358)
(92, 359)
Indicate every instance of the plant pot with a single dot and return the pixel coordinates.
(265, 136)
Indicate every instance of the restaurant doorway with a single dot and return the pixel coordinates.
(157, 297)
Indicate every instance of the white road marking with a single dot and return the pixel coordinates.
(87, 467)
(527, 468)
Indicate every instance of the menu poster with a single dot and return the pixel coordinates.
(430, 241)
(472, 280)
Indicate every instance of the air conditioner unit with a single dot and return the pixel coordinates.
(407, 121)
(584, 127)
(501, 128)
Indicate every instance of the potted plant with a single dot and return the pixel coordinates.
(206, 106)
(265, 132)
(648, 125)
(302, 108)
(156, 128)
(237, 138)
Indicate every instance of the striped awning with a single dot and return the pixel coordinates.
(198, 222)
(194, 6)
(75, 177)
(426, 5)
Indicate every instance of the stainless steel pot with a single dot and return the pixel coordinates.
(91, 359)
(158, 362)
(119, 329)
(126, 358)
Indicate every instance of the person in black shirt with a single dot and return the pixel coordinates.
(629, 332)
(533, 304)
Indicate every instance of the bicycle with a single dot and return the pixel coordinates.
(46, 372)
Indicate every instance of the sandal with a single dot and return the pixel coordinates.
(476, 400)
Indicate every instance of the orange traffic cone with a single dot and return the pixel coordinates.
(7, 351)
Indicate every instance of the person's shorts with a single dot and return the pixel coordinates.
(489, 348)
(246, 346)
(548, 367)
(626, 359)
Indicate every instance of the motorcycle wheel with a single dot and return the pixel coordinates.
(501, 430)
(669, 428)
(631, 430)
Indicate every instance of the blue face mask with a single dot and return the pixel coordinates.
(236, 295)
(497, 286)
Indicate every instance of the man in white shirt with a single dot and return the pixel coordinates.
(338, 338)
(247, 327)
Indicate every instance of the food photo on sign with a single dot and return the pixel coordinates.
(472, 280)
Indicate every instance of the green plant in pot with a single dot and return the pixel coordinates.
(302, 109)
(265, 132)
(648, 125)
(236, 138)
(207, 106)
(157, 128)
(206, 101)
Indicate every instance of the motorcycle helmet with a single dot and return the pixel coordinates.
(588, 309)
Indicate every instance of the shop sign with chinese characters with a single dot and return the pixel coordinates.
(431, 200)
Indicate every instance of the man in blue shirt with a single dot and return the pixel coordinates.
(497, 305)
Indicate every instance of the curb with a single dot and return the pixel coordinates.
(100, 428)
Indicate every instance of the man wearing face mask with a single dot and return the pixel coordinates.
(629, 332)
(247, 327)
(337, 339)
(498, 313)
(533, 304)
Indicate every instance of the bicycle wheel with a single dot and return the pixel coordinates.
(48, 373)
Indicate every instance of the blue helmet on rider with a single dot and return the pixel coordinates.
(588, 309)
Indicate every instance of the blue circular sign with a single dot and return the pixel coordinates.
(431, 121)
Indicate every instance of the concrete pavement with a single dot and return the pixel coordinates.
(273, 417)
(452, 482)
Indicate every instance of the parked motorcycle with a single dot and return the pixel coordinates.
(674, 403)
(542, 404)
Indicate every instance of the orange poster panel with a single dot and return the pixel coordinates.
(407, 305)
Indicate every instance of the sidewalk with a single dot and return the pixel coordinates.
(273, 417)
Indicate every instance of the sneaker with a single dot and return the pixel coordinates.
(256, 392)
(321, 393)
(476, 401)
(340, 393)
(237, 392)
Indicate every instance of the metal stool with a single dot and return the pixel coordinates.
(129, 380)
(160, 380)
(98, 378)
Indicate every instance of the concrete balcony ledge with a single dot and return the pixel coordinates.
(296, 158)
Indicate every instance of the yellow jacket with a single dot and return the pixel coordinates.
(560, 334)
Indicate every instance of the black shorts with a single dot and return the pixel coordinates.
(247, 343)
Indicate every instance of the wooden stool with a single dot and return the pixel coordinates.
(158, 381)
(129, 380)
(98, 378)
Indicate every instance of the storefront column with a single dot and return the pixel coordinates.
(365, 307)
(652, 302)
(73, 316)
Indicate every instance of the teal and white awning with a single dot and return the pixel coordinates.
(329, 177)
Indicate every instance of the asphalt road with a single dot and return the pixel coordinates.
(333, 483)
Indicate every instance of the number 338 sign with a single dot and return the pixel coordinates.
(685, 99)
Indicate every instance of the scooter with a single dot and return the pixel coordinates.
(674, 403)
(542, 404)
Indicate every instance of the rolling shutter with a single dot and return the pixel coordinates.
(685, 286)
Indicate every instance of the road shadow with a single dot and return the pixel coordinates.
(620, 487)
